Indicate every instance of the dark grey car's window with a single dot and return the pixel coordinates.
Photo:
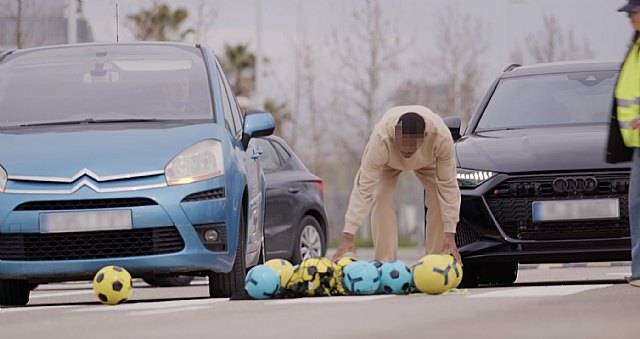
(269, 158)
(555, 99)
(104, 82)
(284, 154)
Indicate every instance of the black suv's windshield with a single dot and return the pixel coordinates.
(551, 99)
(112, 83)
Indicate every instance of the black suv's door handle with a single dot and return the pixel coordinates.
(294, 190)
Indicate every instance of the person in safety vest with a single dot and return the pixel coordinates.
(407, 138)
(624, 132)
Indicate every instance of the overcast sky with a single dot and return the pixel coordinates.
(507, 22)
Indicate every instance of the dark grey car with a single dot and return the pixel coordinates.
(295, 218)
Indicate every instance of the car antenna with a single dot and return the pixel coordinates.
(117, 31)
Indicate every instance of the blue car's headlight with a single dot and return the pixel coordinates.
(3, 179)
(472, 178)
(200, 161)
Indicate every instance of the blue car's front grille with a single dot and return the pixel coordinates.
(90, 245)
(54, 205)
(217, 193)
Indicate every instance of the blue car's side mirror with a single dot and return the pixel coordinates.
(257, 124)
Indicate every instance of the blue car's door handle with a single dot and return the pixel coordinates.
(256, 154)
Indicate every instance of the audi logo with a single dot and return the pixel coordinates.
(575, 184)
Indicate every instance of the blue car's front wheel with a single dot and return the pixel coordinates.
(224, 285)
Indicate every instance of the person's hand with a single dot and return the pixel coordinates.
(450, 246)
(346, 245)
(635, 123)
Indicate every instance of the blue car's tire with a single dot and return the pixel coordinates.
(14, 292)
(225, 285)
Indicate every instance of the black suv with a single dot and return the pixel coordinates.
(531, 168)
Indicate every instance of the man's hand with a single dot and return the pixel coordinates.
(635, 123)
(450, 247)
(346, 245)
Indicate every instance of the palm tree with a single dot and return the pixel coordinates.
(159, 23)
(239, 66)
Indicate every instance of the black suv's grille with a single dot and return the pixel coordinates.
(90, 245)
(83, 204)
(465, 234)
(511, 204)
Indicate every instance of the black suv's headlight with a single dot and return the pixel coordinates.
(468, 178)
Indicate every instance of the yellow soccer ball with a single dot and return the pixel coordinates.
(313, 277)
(112, 285)
(284, 269)
(433, 274)
(342, 262)
(457, 270)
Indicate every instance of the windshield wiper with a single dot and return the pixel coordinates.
(89, 121)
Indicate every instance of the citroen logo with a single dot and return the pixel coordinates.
(575, 185)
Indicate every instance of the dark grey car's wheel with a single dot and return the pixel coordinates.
(181, 280)
(14, 292)
(310, 242)
(224, 285)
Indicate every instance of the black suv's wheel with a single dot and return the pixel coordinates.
(499, 273)
(470, 276)
(224, 285)
(14, 292)
(309, 242)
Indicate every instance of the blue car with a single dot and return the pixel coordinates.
(128, 154)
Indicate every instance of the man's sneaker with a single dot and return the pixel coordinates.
(634, 282)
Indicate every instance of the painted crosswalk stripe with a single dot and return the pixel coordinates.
(538, 291)
(145, 306)
(58, 294)
(170, 310)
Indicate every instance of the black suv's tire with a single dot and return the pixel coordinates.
(225, 285)
(310, 239)
(14, 292)
(499, 273)
(470, 276)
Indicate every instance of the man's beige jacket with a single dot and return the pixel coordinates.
(382, 155)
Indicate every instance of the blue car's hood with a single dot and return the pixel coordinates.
(531, 150)
(104, 150)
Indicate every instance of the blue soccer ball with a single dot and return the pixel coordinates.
(262, 282)
(360, 277)
(395, 278)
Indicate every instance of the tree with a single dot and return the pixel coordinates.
(159, 23)
(17, 11)
(280, 113)
(239, 65)
(455, 68)
(554, 43)
(367, 51)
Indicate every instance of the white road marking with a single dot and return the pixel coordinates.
(58, 294)
(323, 300)
(142, 306)
(171, 310)
(31, 308)
(538, 291)
(620, 274)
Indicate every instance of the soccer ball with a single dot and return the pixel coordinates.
(395, 278)
(433, 274)
(360, 277)
(314, 277)
(457, 269)
(283, 268)
(262, 282)
(112, 285)
(342, 262)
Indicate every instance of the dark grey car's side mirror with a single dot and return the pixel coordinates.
(454, 126)
(257, 124)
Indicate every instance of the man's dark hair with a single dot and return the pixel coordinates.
(411, 124)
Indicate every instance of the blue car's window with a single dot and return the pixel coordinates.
(111, 82)
(556, 99)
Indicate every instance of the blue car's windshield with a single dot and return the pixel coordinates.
(104, 83)
(553, 99)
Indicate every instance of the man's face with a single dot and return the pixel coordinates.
(408, 144)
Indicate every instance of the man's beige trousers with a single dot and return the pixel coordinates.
(384, 223)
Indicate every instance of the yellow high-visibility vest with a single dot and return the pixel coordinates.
(628, 96)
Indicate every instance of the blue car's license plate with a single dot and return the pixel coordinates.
(575, 209)
(85, 221)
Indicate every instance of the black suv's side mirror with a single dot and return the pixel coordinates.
(454, 126)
